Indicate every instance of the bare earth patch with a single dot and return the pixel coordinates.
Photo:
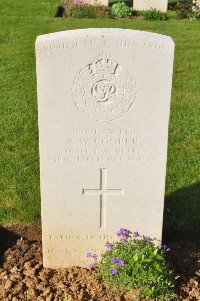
(22, 276)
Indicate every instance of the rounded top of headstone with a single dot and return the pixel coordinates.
(103, 32)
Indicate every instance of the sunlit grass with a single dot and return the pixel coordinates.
(21, 21)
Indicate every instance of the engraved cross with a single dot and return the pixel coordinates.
(103, 192)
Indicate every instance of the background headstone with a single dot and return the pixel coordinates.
(104, 101)
(148, 4)
(197, 4)
(97, 2)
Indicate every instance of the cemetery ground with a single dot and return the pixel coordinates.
(21, 274)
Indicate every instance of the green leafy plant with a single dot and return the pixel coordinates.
(188, 9)
(154, 14)
(121, 10)
(172, 4)
(137, 262)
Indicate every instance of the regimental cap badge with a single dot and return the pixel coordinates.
(103, 90)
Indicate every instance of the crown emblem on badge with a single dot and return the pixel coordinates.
(104, 64)
(102, 90)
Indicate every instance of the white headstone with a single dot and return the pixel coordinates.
(97, 2)
(148, 4)
(104, 101)
(197, 5)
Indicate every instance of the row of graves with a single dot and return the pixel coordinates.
(143, 5)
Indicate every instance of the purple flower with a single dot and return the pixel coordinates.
(88, 255)
(119, 232)
(113, 260)
(91, 265)
(164, 247)
(146, 238)
(109, 246)
(136, 234)
(120, 263)
(95, 255)
(124, 234)
(113, 271)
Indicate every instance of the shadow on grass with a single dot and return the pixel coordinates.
(181, 233)
(7, 240)
(182, 215)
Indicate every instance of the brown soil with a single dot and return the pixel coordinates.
(22, 276)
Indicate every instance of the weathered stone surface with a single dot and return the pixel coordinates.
(148, 4)
(104, 101)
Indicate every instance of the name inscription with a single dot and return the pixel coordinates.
(95, 145)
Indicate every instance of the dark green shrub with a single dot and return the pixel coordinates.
(172, 5)
(121, 10)
(136, 262)
(154, 14)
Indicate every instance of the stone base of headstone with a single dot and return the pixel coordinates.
(148, 4)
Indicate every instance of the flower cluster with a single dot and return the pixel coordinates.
(120, 262)
(124, 234)
(89, 255)
(91, 265)
(113, 271)
(146, 238)
(164, 247)
(117, 261)
(95, 256)
(136, 234)
(109, 246)
(133, 258)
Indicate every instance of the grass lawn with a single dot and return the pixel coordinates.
(20, 22)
